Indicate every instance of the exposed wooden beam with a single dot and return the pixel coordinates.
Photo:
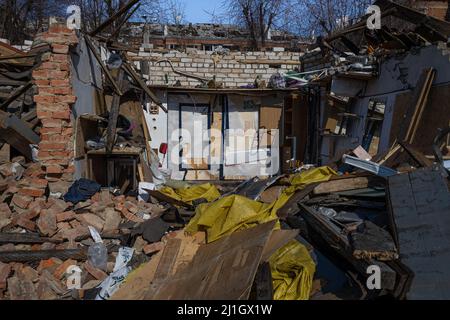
(113, 116)
(103, 66)
(129, 69)
(114, 17)
(16, 94)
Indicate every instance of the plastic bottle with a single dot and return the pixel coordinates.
(98, 256)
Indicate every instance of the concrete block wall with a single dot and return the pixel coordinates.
(232, 69)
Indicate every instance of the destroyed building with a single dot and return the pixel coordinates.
(206, 37)
(135, 173)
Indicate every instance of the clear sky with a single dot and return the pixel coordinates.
(195, 10)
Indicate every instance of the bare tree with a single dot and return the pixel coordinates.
(22, 19)
(258, 16)
(176, 11)
(317, 17)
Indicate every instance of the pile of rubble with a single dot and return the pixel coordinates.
(42, 236)
(313, 232)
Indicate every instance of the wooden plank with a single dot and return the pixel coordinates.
(165, 198)
(113, 116)
(414, 113)
(105, 69)
(340, 246)
(114, 17)
(291, 206)
(16, 94)
(139, 281)
(5, 153)
(341, 185)
(420, 210)
(278, 239)
(129, 69)
(17, 133)
(116, 32)
(168, 259)
(416, 155)
(421, 104)
(263, 285)
(224, 269)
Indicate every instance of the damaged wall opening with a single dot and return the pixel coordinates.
(159, 170)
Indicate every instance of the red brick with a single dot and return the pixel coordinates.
(38, 183)
(58, 74)
(5, 270)
(44, 114)
(56, 164)
(28, 273)
(66, 99)
(50, 146)
(60, 83)
(63, 226)
(65, 216)
(22, 201)
(52, 123)
(64, 154)
(59, 29)
(64, 115)
(40, 74)
(49, 265)
(46, 91)
(89, 219)
(60, 48)
(42, 83)
(60, 57)
(5, 211)
(53, 107)
(26, 224)
(47, 223)
(50, 131)
(153, 248)
(61, 270)
(59, 138)
(62, 90)
(50, 66)
(54, 169)
(64, 66)
(68, 131)
(20, 289)
(33, 211)
(44, 99)
(70, 169)
(95, 272)
(32, 192)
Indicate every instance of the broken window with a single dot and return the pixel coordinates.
(195, 138)
(374, 125)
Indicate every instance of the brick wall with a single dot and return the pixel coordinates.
(54, 101)
(233, 69)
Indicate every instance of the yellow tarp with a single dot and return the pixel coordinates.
(205, 191)
(228, 215)
(292, 272)
(234, 212)
(292, 266)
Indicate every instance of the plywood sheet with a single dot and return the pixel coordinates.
(420, 204)
(436, 115)
(222, 270)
